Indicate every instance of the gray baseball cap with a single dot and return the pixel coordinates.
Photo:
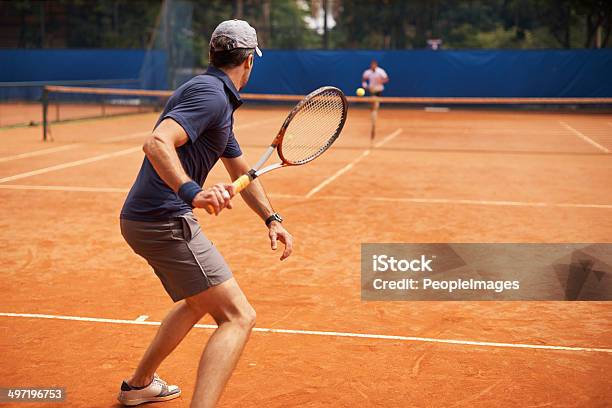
(239, 31)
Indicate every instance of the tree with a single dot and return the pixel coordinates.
(380, 24)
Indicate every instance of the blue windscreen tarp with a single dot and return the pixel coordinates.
(57, 65)
(481, 73)
(424, 73)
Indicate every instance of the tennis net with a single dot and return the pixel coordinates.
(64, 103)
(20, 101)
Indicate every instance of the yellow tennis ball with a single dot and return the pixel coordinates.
(360, 92)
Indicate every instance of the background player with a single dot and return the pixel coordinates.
(374, 79)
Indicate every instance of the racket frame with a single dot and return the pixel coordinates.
(277, 144)
(278, 141)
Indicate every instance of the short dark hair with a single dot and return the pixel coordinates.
(227, 57)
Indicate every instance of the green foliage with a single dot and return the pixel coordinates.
(468, 36)
(287, 28)
(473, 23)
(365, 24)
(82, 23)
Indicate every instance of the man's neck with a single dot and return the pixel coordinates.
(234, 74)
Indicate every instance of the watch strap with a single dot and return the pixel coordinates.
(273, 217)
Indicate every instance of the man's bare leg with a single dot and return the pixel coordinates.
(175, 326)
(235, 317)
(374, 116)
(229, 307)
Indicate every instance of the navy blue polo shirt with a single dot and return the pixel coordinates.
(204, 108)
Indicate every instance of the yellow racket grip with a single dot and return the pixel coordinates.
(239, 184)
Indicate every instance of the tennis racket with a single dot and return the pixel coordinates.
(310, 129)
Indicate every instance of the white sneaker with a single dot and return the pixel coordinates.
(157, 391)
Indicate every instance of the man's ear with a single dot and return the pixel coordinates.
(248, 63)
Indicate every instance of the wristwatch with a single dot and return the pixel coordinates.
(273, 217)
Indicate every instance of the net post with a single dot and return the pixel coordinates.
(45, 109)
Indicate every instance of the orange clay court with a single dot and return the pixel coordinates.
(78, 306)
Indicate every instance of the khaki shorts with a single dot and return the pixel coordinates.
(185, 261)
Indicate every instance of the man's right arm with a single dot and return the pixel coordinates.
(160, 149)
(364, 79)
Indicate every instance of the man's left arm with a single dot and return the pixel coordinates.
(256, 198)
(385, 77)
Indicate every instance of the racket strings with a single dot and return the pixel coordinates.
(314, 127)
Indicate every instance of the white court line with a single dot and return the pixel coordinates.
(447, 201)
(325, 333)
(334, 198)
(108, 140)
(148, 132)
(38, 152)
(389, 137)
(337, 174)
(70, 164)
(141, 134)
(585, 138)
(91, 159)
(69, 147)
(436, 109)
(469, 202)
(65, 188)
(351, 164)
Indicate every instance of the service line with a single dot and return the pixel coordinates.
(585, 138)
(337, 174)
(408, 200)
(70, 164)
(458, 342)
(349, 166)
(40, 152)
(111, 139)
(70, 146)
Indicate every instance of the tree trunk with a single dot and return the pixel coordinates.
(568, 27)
(588, 24)
(325, 33)
(608, 27)
(266, 22)
(42, 24)
(22, 30)
(238, 9)
(593, 30)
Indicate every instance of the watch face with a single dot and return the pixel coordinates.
(274, 217)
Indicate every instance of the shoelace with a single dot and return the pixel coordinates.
(159, 380)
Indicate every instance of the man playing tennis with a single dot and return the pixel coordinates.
(191, 134)
(374, 80)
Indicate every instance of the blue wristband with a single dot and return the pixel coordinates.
(188, 191)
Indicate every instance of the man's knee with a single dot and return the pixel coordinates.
(243, 316)
(248, 317)
(225, 307)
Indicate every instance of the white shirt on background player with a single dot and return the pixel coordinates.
(375, 79)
